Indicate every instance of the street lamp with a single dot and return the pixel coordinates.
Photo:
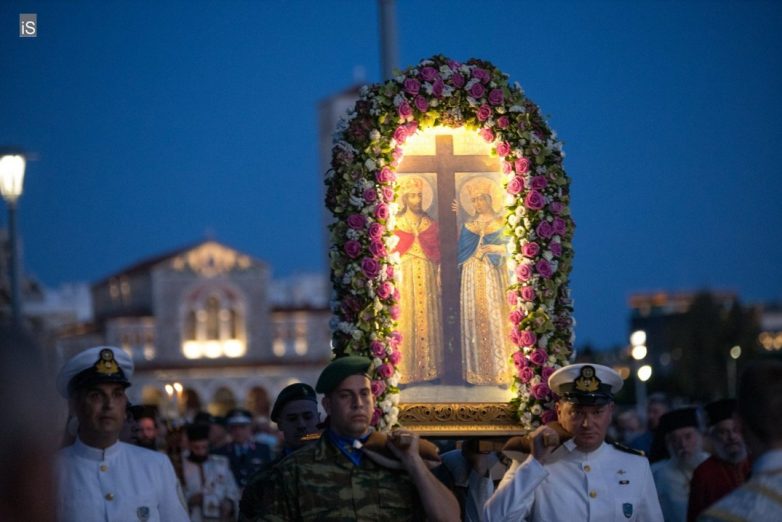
(11, 180)
(642, 373)
(734, 353)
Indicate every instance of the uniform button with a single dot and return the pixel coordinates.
(593, 493)
(587, 468)
(109, 496)
(104, 467)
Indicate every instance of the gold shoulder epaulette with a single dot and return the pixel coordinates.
(628, 449)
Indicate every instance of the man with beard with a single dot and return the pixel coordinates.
(419, 288)
(584, 478)
(335, 479)
(210, 488)
(101, 478)
(146, 429)
(672, 476)
(759, 411)
(727, 468)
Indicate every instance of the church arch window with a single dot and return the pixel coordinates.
(213, 323)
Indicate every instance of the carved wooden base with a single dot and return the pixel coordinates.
(459, 419)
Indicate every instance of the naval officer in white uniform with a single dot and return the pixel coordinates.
(584, 478)
(100, 478)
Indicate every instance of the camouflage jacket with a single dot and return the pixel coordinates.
(318, 482)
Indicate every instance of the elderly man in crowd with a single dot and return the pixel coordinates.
(334, 479)
(727, 468)
(760, 411)
(101, 478)
(672, 476)
(245, 455)
(584, 478)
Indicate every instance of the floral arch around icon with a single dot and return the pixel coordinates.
(363, 195)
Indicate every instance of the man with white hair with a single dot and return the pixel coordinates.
(583, 478)
(100, 478)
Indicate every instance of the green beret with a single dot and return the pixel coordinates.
(340, 369)
(293, 392)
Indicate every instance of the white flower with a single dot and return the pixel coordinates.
(398, 99)
(516, 108)
(513, 220)
(370, 164)
(536, 409)
(374, 135)
(357, 334)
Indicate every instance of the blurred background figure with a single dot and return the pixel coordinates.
(628, 426)
(759, 413)
(245, 455)
(656, 406)
(727, 468)
(210, 489)
(682, 431)
(27, 440)
(147, 427)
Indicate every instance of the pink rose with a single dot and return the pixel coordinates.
(378, 387)
(528, 338)
(544, 229)
(548, 416)
(556, 207)
(546, 373)
(457, 80)
(543, 268)
(395, 338)
(394, 312)
(538, 182)
(370, 195)
(429, 73)
(376, 230)
(357, 221)
(527, 293)
(376, 416)
(559, 225)
(507, 167)
(556, 249)
(481, 74)
(400, 134)
(397, 153)
(381, 211)
(405, 110)
(390, 275)
(377, 248)
(531, 249)
(538, 357)
(411, 127)
(516, 316)
(388, 194)
(370, 267)
(522, 165)
(515, 186)
(385, 290)
(524, 272)
(437, 88)
(484, 113)
(496, 97)
(385, 371)
(541, 391)
(503, 149)
(395, 356)
(421, 104)
(385, 175)
(377, 349)
(503, 122)
(477, 90)
(526, 374)
(486, 134)
(352, 248)
(534, 200)
(519, 361)
(412, 86)
(513, 298)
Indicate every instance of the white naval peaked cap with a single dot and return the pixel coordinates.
(92, 366)
(586, 383)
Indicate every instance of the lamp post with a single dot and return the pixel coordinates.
(11, 180)
(642, 372)
(734, 353)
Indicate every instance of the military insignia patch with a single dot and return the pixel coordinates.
(143, 513)
(627, 509)
(106, 365)
(587, 380)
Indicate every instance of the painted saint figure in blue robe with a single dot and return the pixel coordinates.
(483, 267)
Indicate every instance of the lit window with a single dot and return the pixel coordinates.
(213, 324)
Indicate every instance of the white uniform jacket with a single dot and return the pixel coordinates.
(573, 486)
(122, 483)
(672, 481)
(760, 498)
(214, 479)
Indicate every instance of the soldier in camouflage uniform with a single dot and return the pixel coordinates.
(333, 480)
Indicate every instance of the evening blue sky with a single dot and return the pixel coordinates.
(157, 123)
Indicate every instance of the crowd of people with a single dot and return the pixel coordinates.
(722, 461)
